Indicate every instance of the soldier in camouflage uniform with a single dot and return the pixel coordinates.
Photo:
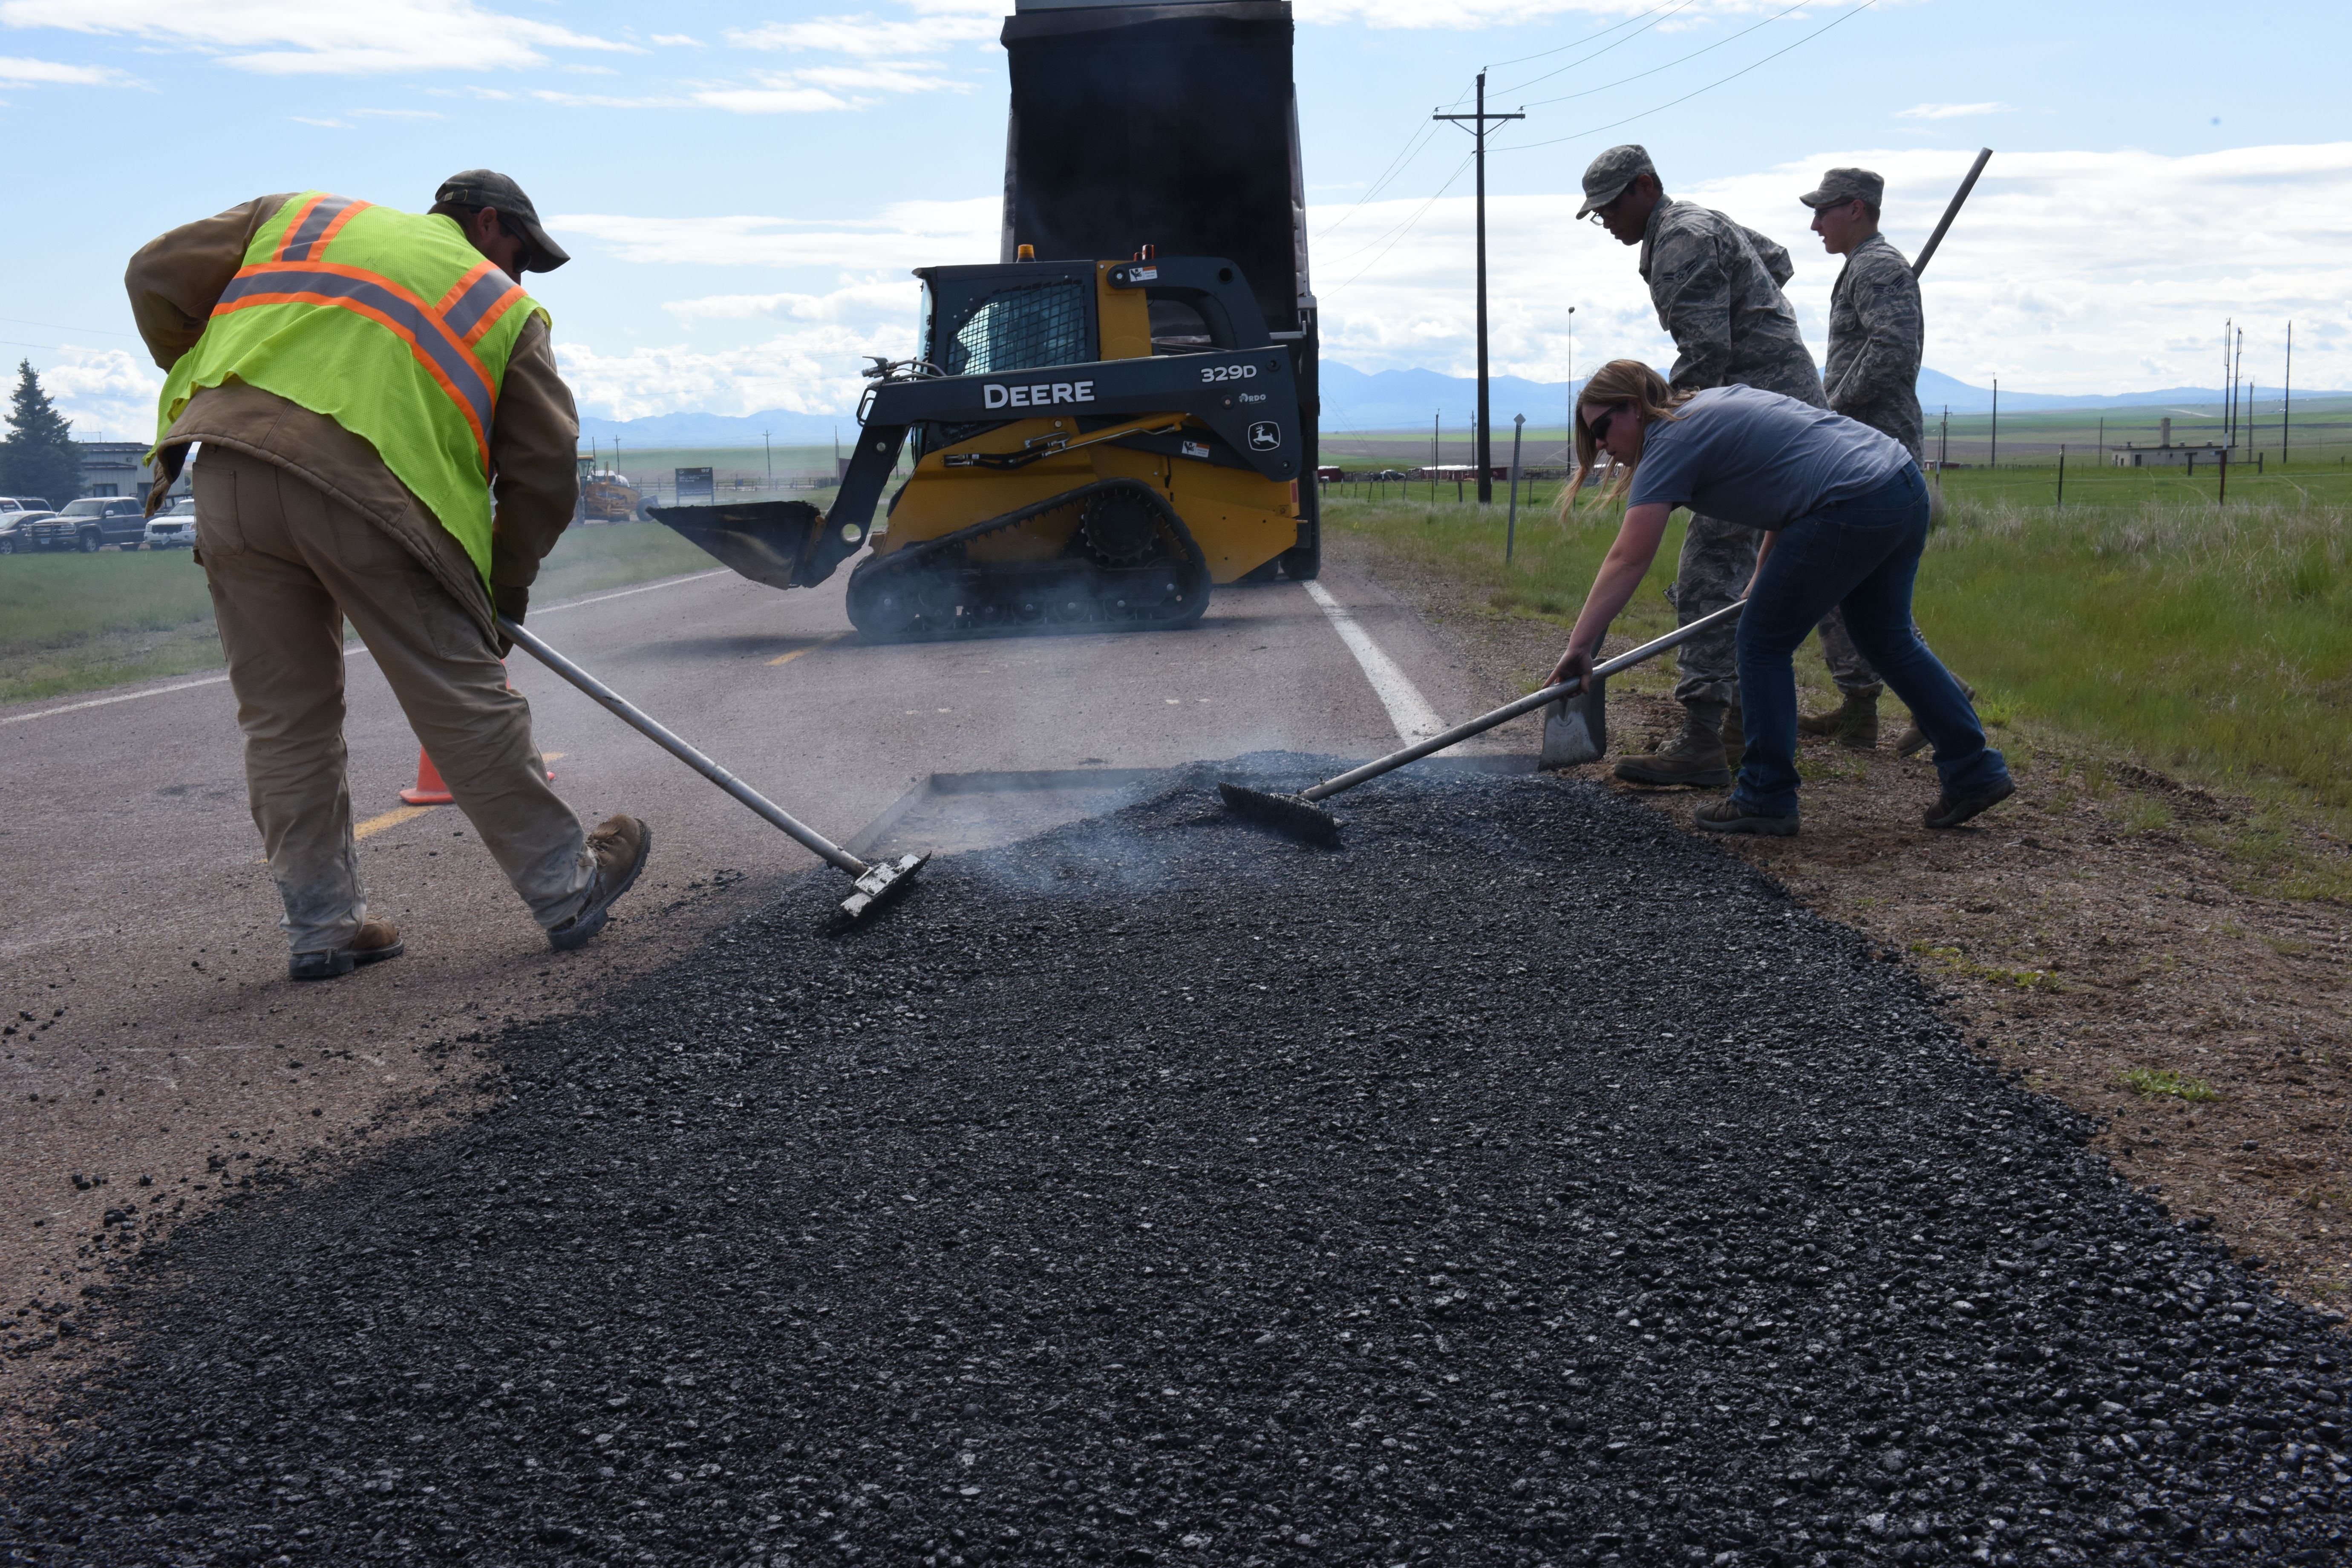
(1876, 335)
(1716, 287)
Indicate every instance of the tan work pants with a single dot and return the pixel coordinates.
(287, 565)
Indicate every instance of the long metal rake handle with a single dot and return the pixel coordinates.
(622, 709)
(1528, 704)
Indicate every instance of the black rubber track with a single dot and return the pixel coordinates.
(1525, 1183)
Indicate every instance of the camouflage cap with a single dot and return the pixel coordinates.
(1611, 173)
(1844, 186)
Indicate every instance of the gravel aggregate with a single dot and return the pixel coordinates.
(1523, 1183)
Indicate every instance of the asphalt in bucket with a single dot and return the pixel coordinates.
(1525, 1183)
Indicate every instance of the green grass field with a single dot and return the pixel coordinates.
(78, 623)
(2139, 624)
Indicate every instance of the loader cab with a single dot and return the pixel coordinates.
(1033, 315)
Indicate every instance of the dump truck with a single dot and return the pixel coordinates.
(1118, 414)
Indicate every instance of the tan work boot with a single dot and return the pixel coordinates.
(1854, 723)
(1695, 756)
(1914, 738)
(377, 941)
(620, 846)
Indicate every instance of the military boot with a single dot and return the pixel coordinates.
(1914, 738)
(1734, 740)
(1695, 756)
(1854, 723)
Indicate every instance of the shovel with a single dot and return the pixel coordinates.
(877, 882)
(1578, 732)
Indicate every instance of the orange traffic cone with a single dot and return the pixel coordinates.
(428, 789)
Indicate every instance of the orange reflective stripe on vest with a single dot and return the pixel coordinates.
(446, 352)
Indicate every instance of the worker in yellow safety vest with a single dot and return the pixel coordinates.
(384, 440)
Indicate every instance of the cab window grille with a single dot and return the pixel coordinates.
(1022, 329)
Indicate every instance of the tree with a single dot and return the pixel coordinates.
(40, 456)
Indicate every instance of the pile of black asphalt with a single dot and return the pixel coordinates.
(1525, 1181)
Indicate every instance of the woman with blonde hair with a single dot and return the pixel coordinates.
(1844, 516)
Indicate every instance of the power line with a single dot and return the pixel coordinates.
(1710, 87)
(1596, 54)
(1413, 144)
(1541, 54)
(1670, 65)
(1401, 230)
(61, 326)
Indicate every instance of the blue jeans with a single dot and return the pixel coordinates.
(1860, 556)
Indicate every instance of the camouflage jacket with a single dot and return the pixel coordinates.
(1876, 335)
(1717, 290)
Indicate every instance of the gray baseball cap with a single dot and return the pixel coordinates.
(1844, 186)
(488, 188)
(1611, 173)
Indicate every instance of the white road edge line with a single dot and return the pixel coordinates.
(355, 650)
(1409, 710)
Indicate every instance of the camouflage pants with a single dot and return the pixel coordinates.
(1847, 667)
(1718, 560)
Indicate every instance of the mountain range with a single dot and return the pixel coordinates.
(1356, 401)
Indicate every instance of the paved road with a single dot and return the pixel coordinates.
(139, 965)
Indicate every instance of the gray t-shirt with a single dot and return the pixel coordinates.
(1761, 459)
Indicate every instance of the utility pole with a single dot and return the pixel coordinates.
(2237, 378)
(771, 452)
(1484, 444)
(1994, 462)
(1944, 443)
(1568, 442)
(2287, 402)
(1436, 452)
(1511, 524)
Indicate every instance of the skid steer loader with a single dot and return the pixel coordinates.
(1119, 413)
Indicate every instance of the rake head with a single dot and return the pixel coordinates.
(1286, 814)
(1576, 727)
(884, 881)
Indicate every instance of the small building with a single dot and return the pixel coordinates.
(121, 468)
(2166, 453)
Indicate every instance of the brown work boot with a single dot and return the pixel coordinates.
(620, 846)
(377, 941)
(1853, 724)
(1695, 756)
(1913, 738)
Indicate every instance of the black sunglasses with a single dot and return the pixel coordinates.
(1599, 428)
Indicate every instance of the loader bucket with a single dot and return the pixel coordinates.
(784, 543)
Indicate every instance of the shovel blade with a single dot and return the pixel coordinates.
(1576, 729)
(1286, 814)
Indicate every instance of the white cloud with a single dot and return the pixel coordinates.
(323, 124)
(779, 96)
(1459, 15)
(282, 37)
(2066, 272)
(677, 40)
(398, 114)
(868, 37)
(109, 394)
(902, 234)
(1952, 110)
(810, 368)
(17, 71)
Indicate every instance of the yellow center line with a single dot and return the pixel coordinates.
(398, 814)
(392, 818)
(820, 642)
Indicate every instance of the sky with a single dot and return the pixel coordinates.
(744, 187)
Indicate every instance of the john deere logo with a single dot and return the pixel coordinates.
(1265, 436)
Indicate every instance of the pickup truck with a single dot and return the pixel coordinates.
(90, 523)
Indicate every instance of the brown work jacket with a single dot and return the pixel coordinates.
(176, 280)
